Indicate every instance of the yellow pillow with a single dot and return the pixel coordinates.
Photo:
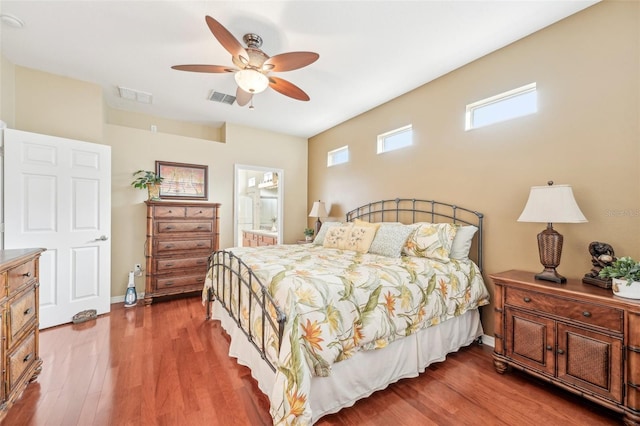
(336, 236)
(350, 237)
(360, 238)
(359, 222)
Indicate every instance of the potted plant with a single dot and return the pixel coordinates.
(308, 234)
(150, 181)
(625, 277)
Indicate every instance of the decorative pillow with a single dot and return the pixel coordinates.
(360, 222)
(337, 236)
(390, 239)
(462, 242)
(432, 240)
(360, 238)
(319, 240)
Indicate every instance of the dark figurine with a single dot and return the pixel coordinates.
(602, 255)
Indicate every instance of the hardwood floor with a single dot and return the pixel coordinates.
(165, 365)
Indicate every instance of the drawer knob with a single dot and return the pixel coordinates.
(27, 358)
(168, 227)
(200, 211)
(527, 300)
(27, 274)
(168, 283)
(549, 348)
(560, 351)
(586, 314)
(169, 246)
(169, 264)
(28, 311)
(170, 211)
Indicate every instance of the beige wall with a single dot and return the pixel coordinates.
(586, 134)
(55, 105)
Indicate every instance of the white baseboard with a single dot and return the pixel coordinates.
(488, 340)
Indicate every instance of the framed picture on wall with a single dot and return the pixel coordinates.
(182, 181)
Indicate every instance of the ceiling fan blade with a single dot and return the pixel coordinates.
(242, 97)
(288, 89)
(290, 61)
(226, 39)
(204, 68)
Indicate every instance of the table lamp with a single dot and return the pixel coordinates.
(548, 204)
(318, 210)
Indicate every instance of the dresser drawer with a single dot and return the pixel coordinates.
(200, 212)
(20, 359)
(606, 317)
(165, 246)
(21, 275)
(168, 227)
(169, 211)
(180, 281)
(167, 265)
(22, 311)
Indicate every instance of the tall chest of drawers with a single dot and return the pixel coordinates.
(180, 238)
(577, 336)
(19, 317)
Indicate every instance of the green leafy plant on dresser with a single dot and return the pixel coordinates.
(145, 179)
(625, 275)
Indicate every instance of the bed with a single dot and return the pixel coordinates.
(372, 300)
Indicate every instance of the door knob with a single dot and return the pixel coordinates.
(102, 238)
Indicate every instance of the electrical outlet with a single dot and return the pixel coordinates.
(137, 270)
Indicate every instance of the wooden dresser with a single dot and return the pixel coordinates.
(180, 238)
(21, 363)
(577, 336)
(258, 238)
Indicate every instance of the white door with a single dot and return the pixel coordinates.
(57, 195)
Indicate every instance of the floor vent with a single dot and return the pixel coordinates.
(222, 98)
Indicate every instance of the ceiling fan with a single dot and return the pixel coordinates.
(254, 66)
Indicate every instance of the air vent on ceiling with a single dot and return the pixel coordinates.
(222, 98)
(135, 95)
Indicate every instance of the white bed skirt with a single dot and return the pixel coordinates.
(365, 372)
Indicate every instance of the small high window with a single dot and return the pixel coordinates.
(395, 139)
(338, 156)
(505, 106)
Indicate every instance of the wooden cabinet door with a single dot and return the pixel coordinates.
(530, 340)
(590, 360)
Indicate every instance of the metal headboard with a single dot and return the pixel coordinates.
(409, 210)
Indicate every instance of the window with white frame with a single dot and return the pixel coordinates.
(395, 139)
(338, 156)
(505, 106)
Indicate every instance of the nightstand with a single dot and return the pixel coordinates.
(576, 336)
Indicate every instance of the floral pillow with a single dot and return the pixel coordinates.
(350, 237)
(432, 240)
(336, 236)
(319, 240)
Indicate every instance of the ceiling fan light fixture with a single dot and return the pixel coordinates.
(252, 81)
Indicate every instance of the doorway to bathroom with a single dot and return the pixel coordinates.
(258, 205)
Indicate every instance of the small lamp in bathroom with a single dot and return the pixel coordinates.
(131, 296)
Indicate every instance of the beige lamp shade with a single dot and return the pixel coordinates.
(552, 204)
(318, 210)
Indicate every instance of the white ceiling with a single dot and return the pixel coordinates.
(370, 51)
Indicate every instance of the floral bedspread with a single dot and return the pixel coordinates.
(339, 302)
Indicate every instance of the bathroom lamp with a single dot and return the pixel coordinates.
(549, 204)
(318, 210)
